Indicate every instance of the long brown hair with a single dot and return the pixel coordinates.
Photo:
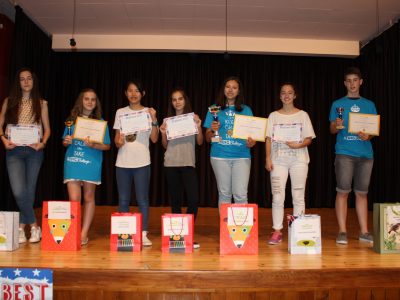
(15, 98)
(239, 101)
(186, 109)
(78, 107)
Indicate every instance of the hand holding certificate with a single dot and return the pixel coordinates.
(245, 127)
(24, 135)
(365, 123)
(181, 126)
(283, 133)
(135, 122)
(90, 128)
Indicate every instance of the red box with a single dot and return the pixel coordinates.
(177, 233)
(238, 229)
(61, 225)
(126, 232)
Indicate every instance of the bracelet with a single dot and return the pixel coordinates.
(155, 123)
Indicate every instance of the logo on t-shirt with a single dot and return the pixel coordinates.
(355, 108)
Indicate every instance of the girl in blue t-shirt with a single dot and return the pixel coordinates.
(230, 157)
(83, 158)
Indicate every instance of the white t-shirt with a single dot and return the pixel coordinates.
(280, 150)
(133, 154)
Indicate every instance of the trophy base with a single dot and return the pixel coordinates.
(340, 127)
(215, 139)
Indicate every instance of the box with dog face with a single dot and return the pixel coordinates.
(239, 229)
(61, 225)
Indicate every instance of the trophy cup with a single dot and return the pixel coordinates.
(214, 109)
(340, 111)
(69, 122)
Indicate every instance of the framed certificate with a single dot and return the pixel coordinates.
(135, 122)
(23, 135)
(181, 126)
(366, 123)
(90, 128)
(282, 133)
(247, 126)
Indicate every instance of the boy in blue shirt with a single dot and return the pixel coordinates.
(354, 155)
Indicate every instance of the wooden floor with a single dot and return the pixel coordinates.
(350, 271)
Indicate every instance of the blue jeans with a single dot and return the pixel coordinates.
(141, 178)
(232, 177)
(23, 165)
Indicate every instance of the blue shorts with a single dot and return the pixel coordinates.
(349, 168)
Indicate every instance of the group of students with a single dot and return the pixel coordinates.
(230, 157)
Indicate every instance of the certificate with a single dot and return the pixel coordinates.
(365, 123)
(282, 133)
(90, 128)
(23, 135)
(180, 126)
(135, 122)
(247, 126)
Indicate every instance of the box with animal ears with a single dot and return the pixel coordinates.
(61, 225)
(238, 229)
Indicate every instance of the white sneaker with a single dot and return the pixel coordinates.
(36, 235)
(145, 239)
(21, 236)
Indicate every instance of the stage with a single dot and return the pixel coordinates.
(352, 271)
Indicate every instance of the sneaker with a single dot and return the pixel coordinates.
(276, 238)
(341, 238)
(366, 237)
(196, 245)
(36, 235)
(145, 239)
(21, 236)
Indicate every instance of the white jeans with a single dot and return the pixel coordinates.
(298, 176)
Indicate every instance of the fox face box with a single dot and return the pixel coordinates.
(239, 229)
(61, 224)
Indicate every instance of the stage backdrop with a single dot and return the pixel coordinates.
(319, 81)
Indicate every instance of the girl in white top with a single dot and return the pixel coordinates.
(289, 133)
(133, 160)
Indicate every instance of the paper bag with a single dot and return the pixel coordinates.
(238, 229)
(387, 227)
(126, 232)
(61, 225)
(177, 233)
(304, 234)
(9, 225)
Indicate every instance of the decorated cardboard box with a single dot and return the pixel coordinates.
(126, 232)
(238, 229)
(9, 224)
(387, 227)
(304, 234)
(61, 225)
(177, 233)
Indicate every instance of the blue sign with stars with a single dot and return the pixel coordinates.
(24, 283)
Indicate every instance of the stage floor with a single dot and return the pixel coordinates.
(352, 271)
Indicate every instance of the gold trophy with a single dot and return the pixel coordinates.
(340, 111)
(214, 109)
(69, 122)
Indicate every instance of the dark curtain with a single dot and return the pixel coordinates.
(319, 81)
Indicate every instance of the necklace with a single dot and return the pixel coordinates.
(233, 217)
(26, 98)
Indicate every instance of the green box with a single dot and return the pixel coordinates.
(387, 227)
